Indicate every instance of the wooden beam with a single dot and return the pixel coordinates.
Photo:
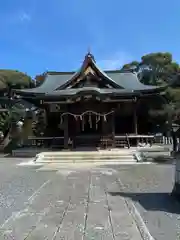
(118, 100)
(57, 102)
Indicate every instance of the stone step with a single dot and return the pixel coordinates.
(90, 162)
(39, 160)
(84, 160)
(81, 157)
(89, 153)
(77, 165)
(34, 152)
(107, 161)
(85, 156)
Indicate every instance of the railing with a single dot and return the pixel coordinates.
(48, 142)
(106, 142)
(127, 140)
(121, 141)
(142, 139)
(163, 140)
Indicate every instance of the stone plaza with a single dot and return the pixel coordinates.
(54, 201)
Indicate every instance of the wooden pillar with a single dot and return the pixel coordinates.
(46, 113)
(135, 121)
(66, 132)
(104, 127)
(77, 132)
(104, 132)
(113, 129)
(135, 118)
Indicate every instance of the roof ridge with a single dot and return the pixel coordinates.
(72, 72)
(59, 73)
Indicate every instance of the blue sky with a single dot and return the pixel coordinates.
(41, 35)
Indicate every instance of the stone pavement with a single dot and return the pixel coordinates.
(74, 205)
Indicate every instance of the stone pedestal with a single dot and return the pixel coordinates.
(176, 189)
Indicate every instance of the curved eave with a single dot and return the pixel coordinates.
(74, 76)
(153, 89)
(27, 93)
(50, 83)
(90, 90)
(104, 75)
(97, 91)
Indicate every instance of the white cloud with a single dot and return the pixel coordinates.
(24, 17)
(13, 18)
(115, 61)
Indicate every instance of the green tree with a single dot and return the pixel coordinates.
(12, 114)
(14, 79)
(39, 79)
(160, 69)
(10, 79)
(155, 68)
(132, 66)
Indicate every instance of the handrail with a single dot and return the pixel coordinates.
(43, 138)
(96, 136)
(135, 136)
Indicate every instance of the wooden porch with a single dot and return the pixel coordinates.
(96, 141)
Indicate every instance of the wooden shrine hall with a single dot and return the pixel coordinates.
(91, 107)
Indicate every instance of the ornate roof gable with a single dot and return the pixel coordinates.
(89, 75)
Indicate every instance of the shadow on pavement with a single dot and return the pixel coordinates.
(163, 160)
(153, 201)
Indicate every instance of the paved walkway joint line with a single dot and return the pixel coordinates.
(78, 206)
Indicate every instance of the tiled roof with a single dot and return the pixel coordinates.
(122, 82)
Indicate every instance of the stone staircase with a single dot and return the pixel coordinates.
(86, 155)
(102, 156)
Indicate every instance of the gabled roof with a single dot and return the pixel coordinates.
(89, 67)
(61, 82)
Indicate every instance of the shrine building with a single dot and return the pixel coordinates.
(92, 107)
